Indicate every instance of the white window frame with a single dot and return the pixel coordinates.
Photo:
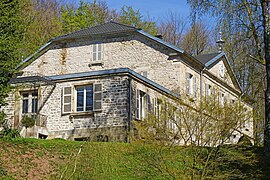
(84, 98)
(143, 102)
(29, 97)
(189, 79)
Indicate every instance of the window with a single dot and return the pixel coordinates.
(157, 107)
(143, 104)
(29, 102)
(191, 85)
(188, 83)
(97, 52)
(208, 90)
(84, 100)
(87, 98)
(221, 98)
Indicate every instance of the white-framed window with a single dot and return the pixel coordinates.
(191, 85)
(29, 102)
(208, 90)
(143, 104)
(97, 52)
(157, 107)
(221, 98)
(86, 98)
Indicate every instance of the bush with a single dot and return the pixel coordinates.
(28, 122)
(9, 133)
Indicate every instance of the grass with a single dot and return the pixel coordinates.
(56, 159)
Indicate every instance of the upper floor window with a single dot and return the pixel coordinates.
(97, 52)
(208, 90)
(29, 102)
(191, 85)
(221, 98)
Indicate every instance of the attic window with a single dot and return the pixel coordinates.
(97, 52)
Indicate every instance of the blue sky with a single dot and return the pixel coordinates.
(154, 8)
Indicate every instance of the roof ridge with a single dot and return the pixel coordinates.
(124, 25)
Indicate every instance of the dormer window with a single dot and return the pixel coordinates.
(97, 52)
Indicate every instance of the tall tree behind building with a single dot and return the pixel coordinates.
(41, 21)
(10, 38)
(250, 19)
(196, 40)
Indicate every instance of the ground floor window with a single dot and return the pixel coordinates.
(84, 98)
(29, 102)
(143, 105)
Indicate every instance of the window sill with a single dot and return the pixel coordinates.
(95, 64)
(88, 113)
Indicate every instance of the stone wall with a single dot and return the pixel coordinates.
(134, 52)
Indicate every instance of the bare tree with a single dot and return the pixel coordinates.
(172, 27)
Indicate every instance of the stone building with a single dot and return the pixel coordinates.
(96, 81)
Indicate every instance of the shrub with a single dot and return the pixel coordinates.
(9, 133)
(28, 122)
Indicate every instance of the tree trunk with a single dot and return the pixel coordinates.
(266, 24)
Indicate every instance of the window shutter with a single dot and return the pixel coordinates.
(99, 53)
(97, 98)
(187, 83)
(66, 100)
(94, 52)
(137, 104)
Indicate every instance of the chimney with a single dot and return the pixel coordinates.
(158, 36)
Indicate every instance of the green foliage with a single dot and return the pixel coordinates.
(10, 34)
(132, 17)
(8, 133)
(2, 119)
(86, 15)
(28, 122)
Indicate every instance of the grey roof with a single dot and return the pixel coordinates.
(205, 58)
(109, 27)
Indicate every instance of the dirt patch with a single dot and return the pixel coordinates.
(28, 163)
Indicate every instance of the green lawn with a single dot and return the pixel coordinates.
(56, 159)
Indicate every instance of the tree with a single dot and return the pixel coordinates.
(129, 16)
(196, 40)
(172, 27)
(40, 21)
(86, 15)
(251, 18)
(10, 38)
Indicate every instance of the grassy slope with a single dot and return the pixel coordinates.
(53, 159)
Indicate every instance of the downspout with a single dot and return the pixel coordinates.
(129, 109)
(201, 95)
